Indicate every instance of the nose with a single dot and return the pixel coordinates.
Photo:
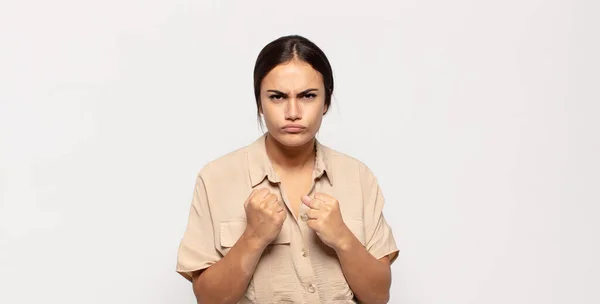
(293, 110)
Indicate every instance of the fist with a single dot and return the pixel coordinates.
(325, 218)
(265, 215)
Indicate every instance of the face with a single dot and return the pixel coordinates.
(292, 99)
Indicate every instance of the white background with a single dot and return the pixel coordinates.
(480, 119)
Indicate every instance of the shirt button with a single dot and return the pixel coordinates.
(304, 217)
(311, 288)
(304, 253)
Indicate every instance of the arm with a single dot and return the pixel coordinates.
(368, 277)
(226, 281)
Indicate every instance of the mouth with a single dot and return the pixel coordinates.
(293, 128)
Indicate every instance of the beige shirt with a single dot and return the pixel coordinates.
(296, 267)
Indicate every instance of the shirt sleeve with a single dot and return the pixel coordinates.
(197, 247)
(379, 237)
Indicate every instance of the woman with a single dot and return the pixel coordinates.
(286, 219)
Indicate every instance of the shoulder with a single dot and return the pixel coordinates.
(342, 163)
(224, 166)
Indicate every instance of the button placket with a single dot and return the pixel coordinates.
(302, 260)
(304, 252)
(303, 237)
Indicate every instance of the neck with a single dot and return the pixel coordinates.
(290, 158)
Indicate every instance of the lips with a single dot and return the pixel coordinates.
(293, 128)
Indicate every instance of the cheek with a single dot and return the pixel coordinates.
(270, 114)
(316, 110)
(265, 108)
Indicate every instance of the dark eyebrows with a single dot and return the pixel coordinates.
(303, 93)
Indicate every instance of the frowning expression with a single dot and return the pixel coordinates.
(292, 100)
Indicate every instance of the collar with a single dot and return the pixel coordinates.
(260, 165)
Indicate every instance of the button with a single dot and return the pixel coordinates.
(311, 288)
(304, 253)
(304, 217)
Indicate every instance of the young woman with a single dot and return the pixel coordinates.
(287, 219)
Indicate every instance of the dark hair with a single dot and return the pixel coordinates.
(283, 50)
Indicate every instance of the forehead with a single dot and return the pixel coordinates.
(292, 75)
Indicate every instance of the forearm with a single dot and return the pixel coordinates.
(226, 281)
(368, 277)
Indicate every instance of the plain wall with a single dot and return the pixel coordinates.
(479, 118)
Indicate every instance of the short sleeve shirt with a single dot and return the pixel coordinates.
(296, 267)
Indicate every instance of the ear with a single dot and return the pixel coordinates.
(326, 109)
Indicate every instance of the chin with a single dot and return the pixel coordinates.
(293, 140)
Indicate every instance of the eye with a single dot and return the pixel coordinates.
(309, 96)
(276, 97)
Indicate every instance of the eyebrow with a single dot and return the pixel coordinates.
(299, 94)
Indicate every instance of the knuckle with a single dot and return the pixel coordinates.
(254, 193)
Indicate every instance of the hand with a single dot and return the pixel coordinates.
(325, 218)
(265, 215)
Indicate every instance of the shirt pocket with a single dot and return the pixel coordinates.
(231, 231)
(274, 277)
(260, 286)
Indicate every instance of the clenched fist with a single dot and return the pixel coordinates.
(265, 215)
(325, 218)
